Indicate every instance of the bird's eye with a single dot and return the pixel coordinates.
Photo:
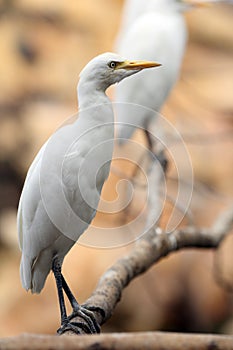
(112, 64)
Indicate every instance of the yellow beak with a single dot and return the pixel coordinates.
(137, 65)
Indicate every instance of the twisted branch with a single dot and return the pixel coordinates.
(151, 248)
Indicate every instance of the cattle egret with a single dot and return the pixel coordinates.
(154, 30)
(43, 242)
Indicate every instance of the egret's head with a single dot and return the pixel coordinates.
(109, 68)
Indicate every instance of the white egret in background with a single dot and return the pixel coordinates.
(63, 185)
(152, 30)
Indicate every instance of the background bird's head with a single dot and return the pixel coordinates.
(173, 5)
(110, 68)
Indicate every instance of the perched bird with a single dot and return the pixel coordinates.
(63, 185)
(154, 30)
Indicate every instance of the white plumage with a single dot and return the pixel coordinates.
(153, 30)
(63, 185)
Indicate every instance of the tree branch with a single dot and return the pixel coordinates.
(123, 341)
(151, 248)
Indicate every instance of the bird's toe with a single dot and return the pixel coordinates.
(69, 326)
(88, 317)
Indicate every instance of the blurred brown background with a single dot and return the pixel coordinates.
(43, 47)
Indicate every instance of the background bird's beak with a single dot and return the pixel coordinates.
(198, 3)
(137, 65)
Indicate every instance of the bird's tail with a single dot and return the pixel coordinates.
(26, 272)
(33, 273)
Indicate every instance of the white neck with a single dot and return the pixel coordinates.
(94, 105)
(89, 95)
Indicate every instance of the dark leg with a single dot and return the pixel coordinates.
(161, 156)
(70, 296)
(163, 160)
(65, 324)
(80, 311)
(57, 274)
(149, 140)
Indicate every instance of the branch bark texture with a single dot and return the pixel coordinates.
(151, 248)
(123, 341)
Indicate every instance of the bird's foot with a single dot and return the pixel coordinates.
(90, 324)
(70, 326)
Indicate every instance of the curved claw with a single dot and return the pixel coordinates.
(88, 316)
